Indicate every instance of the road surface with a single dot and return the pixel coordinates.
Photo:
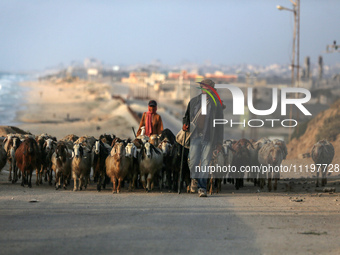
(89, 222)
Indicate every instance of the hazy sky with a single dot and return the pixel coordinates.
(40, 33)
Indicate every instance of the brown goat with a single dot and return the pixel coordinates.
(117, 165)
(28, 158)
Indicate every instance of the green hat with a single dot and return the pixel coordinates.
(207, 82)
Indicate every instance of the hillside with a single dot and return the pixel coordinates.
(326, 125)
(5, 130)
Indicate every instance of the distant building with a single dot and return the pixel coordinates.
(136, 77)
(155, 78)
(221, 77)
(184, 74)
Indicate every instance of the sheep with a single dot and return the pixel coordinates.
(62, 164)
(151, 162)
(271, 155)
(3, 158)
(28, 158)
(241, 157)
(11, 144)
(322, 155)
(101, 152)
(81, 166)
(117, 165)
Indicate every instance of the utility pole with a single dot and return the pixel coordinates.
(295, 57)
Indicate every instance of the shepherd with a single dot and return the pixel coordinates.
(204, 136)
(151, 121)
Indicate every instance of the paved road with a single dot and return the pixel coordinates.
(88, 222)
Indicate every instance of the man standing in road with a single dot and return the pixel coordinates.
(204, 136)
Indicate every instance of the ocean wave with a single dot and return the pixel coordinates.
(11, 94)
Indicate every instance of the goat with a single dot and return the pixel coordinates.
(218, 158)
(133, 155)
(100, 152)
(28, 158)
(167, 134)
(151, 162)
(117, 165)
(45, 155)
(322, 155)
(241, 157)
(11, 144)
(282, 146)
(154, 140)
(271, 155)
(176, 154)
(49, 148)
(107, 139)
(257, 176)
(143, 138)
(86, 141)
(40, 142)
(3, 158)
(70, 138)
(116, 140)
(165, 146)
(81, 166)
(139, 146)
(61, 164)
(228, 155)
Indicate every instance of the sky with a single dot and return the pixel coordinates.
(36, 34)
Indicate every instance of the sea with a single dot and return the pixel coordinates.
(12, 97)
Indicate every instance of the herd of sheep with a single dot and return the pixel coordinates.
(143, 161)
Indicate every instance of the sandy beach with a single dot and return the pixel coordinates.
(81, 108)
